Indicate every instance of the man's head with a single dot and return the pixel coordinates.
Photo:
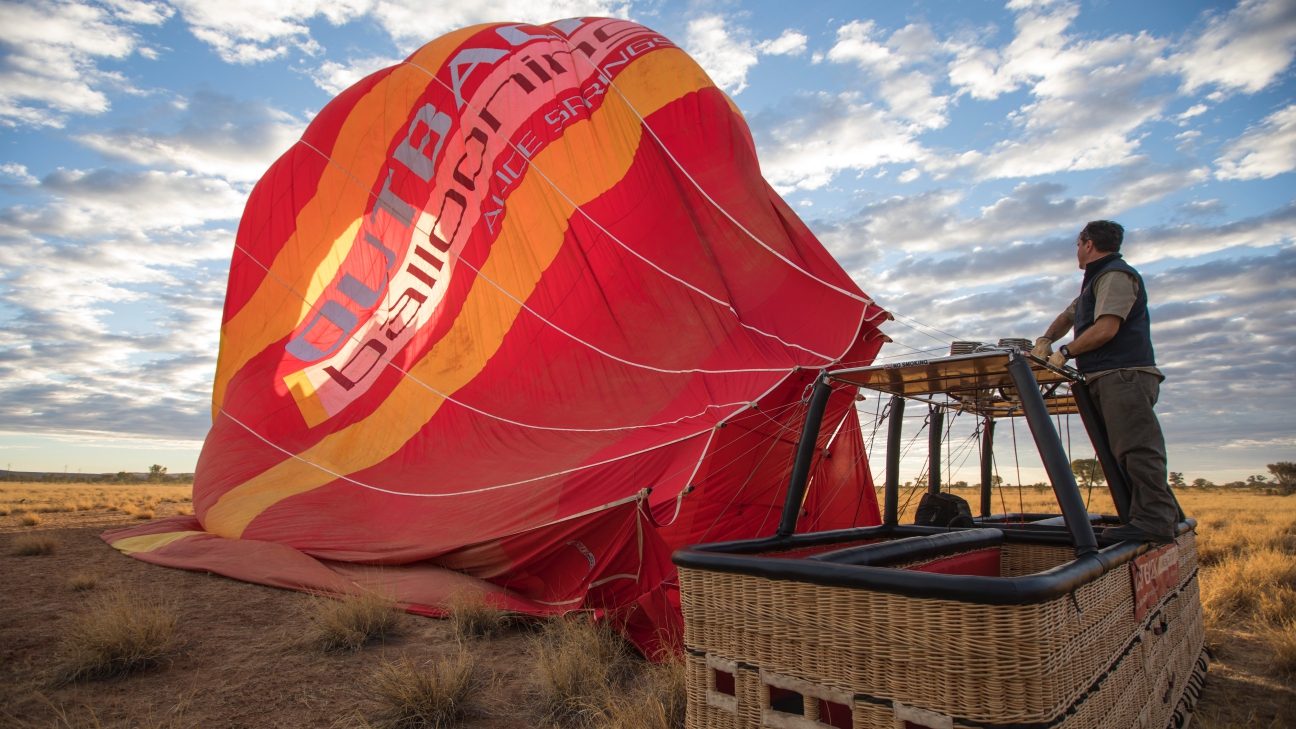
(1099, 238)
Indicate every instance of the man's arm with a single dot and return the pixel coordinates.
(1058, 329)
(1094, 337)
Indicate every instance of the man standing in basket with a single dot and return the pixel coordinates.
(1113, 349)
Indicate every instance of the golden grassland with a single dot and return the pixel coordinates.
(585, 677)
(29, 501)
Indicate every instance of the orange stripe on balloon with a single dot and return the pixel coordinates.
(589, 159)
(327, 225)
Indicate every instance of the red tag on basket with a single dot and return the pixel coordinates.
(1154, 573)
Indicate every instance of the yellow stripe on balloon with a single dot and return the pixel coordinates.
(327, 225)
(149, 542)
(588, 160)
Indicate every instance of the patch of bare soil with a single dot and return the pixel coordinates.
(245, 661)
(1242, 688)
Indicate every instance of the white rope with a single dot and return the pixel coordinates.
(606, 79)
(722, 302)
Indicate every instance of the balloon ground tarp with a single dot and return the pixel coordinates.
(520, 316)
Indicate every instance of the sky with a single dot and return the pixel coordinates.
(947, 153)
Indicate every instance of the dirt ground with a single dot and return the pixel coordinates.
(245, 664)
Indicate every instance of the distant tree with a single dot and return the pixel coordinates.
(156, 473)
(1088, 472)
(996, 481)
(959, 485)
(1284, 473)
(1176, 479)
(1235, 485)
(1257, 480)
(1201, 483)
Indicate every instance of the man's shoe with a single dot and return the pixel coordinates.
(1132, 533)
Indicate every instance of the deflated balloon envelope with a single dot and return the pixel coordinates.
(520, 314)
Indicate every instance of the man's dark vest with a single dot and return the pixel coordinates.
(1132, 345)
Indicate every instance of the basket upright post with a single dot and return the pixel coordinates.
(805, 453)
(987, 464)
(934, 440)
(895, 429)
(1049, 445)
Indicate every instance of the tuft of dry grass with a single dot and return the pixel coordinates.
(1281, 637)
(145, 515)
(184, 510)
(32, 520)
(405, 695)
(34, 545)
(351, 621)
(578, 667)
(472, 616)
(117, 633)
(82, 581)
(657, 700)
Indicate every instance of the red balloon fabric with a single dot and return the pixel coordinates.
(520, 316)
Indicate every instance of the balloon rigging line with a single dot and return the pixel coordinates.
(493, 416)
(484, 489)
(608, 80)
(724, 303)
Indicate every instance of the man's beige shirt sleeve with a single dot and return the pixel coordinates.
(1113, 294)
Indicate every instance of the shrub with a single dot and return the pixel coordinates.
(351, 621)
(577, 667)
(117, 633)
(145, 515)
(33, 545)
(404, 695)
(31, 520)
(82, 581)
(471, 616)
(184, 511)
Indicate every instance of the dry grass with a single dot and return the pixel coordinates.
(471, 616)
(402, 694)
(145, 515)
(33, 545)
(656, 701)
(352, 621)
(117, 633)
(41, 498)
(183, 511)
(578, 668)
(32, 520)
(82, 581)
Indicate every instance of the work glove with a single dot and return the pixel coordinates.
(1043, 348)
(1056, 359)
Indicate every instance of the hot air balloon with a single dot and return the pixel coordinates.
(519, 315)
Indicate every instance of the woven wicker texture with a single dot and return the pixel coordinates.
(977, 663)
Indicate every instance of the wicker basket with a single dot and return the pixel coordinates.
(1081, 660)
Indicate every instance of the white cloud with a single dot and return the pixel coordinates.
(50, 51)
(831, 133)
(252, 31)
(790, 43)
(1088, 95)
(91, 204)
(219, 137)
(19, 173)
(1262, 151)
(894, 66)
(336, 77)
(1245, 50)
(727, 54)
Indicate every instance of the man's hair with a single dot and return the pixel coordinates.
(1106, 235)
